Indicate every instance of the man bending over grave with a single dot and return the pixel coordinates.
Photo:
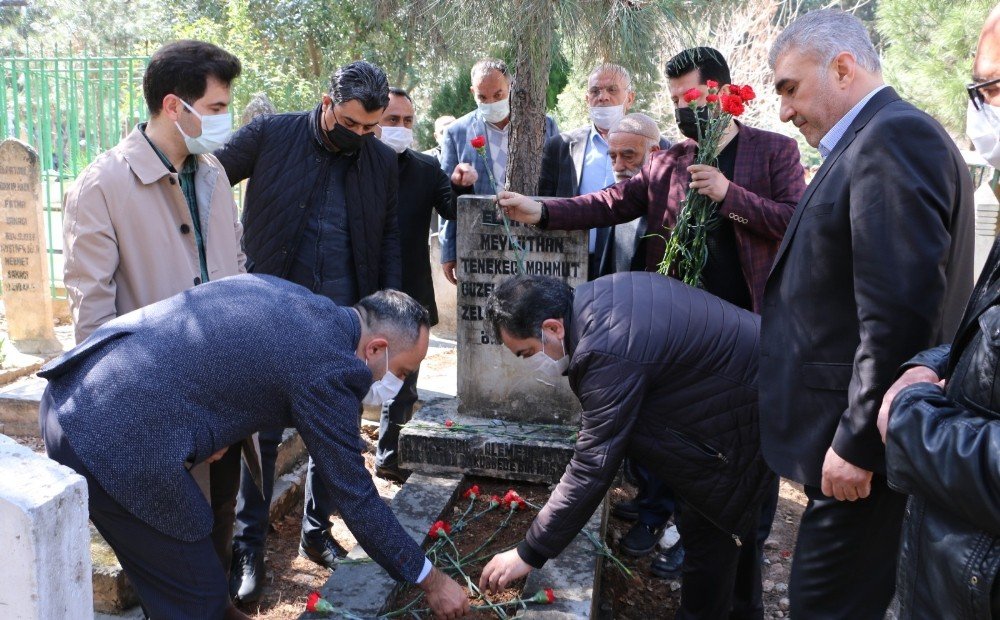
(153, 393)
(667, 375)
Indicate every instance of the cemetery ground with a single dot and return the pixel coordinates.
(639, 595)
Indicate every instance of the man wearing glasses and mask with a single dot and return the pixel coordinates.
(320, 211)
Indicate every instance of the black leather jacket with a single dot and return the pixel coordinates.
(943, 450)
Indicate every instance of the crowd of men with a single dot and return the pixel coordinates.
(836, 340)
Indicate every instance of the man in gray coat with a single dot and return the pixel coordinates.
(155, 392)
(667, 375)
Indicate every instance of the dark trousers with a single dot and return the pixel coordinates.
(845, 558)
(719, 579)
(654, 499)
(395, 414)
(253, 510)
(173, 578)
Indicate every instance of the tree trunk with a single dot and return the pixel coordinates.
(533, 45)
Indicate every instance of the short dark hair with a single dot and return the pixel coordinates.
(399, 92)
(522, 303)
(709, 62)
(395, 315)
(363, 82)
(483, 67)
(182, 68)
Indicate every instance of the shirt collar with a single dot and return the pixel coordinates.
(596, 138)
(190, 163)
(833, 137)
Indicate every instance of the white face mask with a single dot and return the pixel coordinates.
(496, 111)
(215, 131)
(546, 366)
(397, 138)
(604, 118)
(983, 128)
(385, 389)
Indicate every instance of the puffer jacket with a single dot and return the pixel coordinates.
(666, 375)
(286, 160)
(943, 449)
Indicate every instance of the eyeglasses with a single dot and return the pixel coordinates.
(981, 91)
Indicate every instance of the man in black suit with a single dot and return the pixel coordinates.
(424, 188)
(876, 266)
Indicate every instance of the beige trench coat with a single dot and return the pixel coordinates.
(129, 237)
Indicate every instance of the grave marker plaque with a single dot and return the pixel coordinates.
(492, 382)
(26, 295)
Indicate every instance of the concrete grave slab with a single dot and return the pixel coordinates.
(19, 406)
(43, 523)
(539, 453)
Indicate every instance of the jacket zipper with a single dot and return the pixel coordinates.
(698, 445)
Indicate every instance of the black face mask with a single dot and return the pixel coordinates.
(689, 119)
(345, 140)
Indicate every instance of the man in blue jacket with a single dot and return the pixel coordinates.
(155, 392)
(490, 119)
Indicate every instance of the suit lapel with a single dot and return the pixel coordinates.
(477, 127)
(578, 149)
(883, 98)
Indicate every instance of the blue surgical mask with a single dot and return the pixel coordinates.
(215, 131)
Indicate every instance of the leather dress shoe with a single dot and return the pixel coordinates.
(247, 575)
(394, 474)
(667, 565)
(322, 550)
(640, 540)
(627, 510)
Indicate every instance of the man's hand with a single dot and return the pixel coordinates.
(449, 271)
(446, 598)
(503, 569)
(709, 182)
(843, 480)
(520, 208)
(464, 175)
(917, 374)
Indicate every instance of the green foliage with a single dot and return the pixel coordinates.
(928, 52)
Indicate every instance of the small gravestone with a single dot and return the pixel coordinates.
(43, 523)
(26, 295)
(492, 382)
(259, 105)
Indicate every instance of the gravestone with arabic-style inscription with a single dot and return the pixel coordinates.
(26, 295)
(492, 382)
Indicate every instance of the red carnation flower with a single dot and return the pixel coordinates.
(712, 98)
(712, 84)
(495, 500)
(545, 597)
(472, 492)
(479, 142)
(449, 423)
(317, 603)
(513, 501)
(692, 95)
(439, 528)
(746, 93)
(732, 104)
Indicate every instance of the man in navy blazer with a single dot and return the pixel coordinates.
(151, 394)
(491, 119)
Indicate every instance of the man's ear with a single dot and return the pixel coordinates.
(845, 66)
(171, 106)
(376, 347)
(555, 327)
(654, 148)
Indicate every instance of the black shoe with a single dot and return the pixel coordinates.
(247, 576)
(627, 510)
(322, 550)
(667, 565)
(394, 474)
(640, 540)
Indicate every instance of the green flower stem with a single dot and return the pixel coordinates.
(492, 536)
(514, 243)
(603, 550)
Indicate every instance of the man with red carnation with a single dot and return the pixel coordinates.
(756, 184)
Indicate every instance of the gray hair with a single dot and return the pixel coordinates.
(617, 70)
(638, 124)
(394, 315)
(363, 82)
(826, 33)
(482, 68)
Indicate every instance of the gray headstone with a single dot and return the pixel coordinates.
(26, 295)
(492, 382)
(43, 523)
(259, 105)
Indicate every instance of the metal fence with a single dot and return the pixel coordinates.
(70, 109)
